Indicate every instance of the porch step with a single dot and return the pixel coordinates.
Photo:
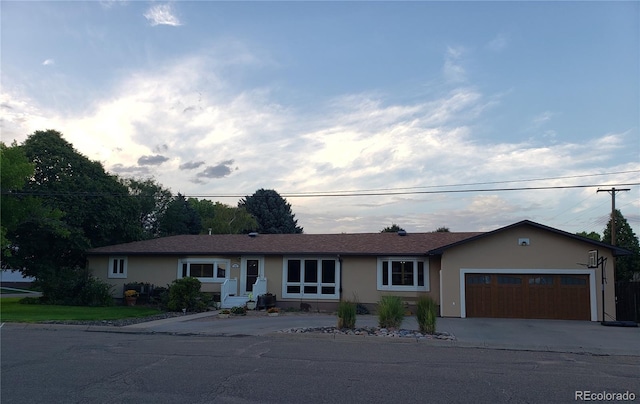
(233, 301)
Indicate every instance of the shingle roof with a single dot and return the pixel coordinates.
(277, 244)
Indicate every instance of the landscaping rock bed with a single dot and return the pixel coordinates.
(371, 332)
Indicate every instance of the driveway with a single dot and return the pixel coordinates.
(513, 334)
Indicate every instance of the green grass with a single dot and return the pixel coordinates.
(12, 311)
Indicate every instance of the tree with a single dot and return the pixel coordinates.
(151, 201)
(19, 210)
(394, 228)
(442, 230)
(592, 235)
(15, 170)
(627, 239)
(271, 212)
(221, 218)
(81, 206)
(179, 218)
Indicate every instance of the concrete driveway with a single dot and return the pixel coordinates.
(515, 334)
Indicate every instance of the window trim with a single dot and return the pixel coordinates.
(122, 275)
(214, 261)
(403, 288)
(319, 284)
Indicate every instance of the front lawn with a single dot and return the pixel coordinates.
(12, 311)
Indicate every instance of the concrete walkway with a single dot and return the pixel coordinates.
(514, 334)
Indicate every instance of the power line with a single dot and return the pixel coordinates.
(329, 194)
(465, 184)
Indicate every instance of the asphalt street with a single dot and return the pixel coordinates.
(62, 364)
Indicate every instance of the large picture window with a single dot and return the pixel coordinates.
(206, 270)
(118, 267)
(313, 278)
(409, 274)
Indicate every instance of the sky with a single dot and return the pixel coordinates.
(361, 114)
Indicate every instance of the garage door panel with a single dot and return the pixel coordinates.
(541, 296)
(509, 299)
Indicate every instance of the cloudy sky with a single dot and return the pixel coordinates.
(394, 106)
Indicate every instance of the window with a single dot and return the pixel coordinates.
(509, 280)
(410, 274)
(478, 279)
(570, 280)
(206, 270)
(117, 267)
(310, 278)
(541, 280)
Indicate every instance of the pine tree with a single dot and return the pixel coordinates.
(627, 239)
(271, 211)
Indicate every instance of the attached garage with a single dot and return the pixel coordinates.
(529, 271)
(520, 295)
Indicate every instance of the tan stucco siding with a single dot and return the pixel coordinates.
(546, 251)
(359, 280)
(159, 271)
(273, 273)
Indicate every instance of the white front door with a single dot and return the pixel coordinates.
(251, 269)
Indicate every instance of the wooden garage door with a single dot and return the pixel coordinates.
(528, 296)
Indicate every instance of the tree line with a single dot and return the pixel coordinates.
(56, 204)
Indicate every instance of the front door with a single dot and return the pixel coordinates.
(252, 269)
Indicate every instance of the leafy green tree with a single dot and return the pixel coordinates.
(24, 218)
(95, 203)
(151, 201)
(627, 239)
(223, 219)
(15, 170)
(592, 235)
(442, 230)
(394, 228)
(81, 207)
(179, 218)
(271, 211)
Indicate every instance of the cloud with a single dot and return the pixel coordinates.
(220, 170)
(48, 62)
(499, 43)
(161, 148)
(129, 170)
(152, 160)
(190, 165)
(542, 118)
(453, 70)
(162, 14)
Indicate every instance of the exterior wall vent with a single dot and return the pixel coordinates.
(402, 233)
(524, 242)
(253, 234)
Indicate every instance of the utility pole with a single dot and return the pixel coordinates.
(613, 191)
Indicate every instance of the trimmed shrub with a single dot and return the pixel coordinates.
(95, 292)
(238, 311)
(185, 294)
(73, 287)
(346, 314)
(427, 312)
(390, 312)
